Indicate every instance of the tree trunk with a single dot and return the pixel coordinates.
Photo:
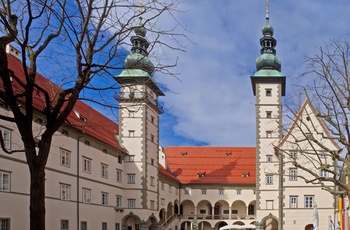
(37, 198)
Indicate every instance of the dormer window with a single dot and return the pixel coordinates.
(228, 154)
(245, 174)
(82, 118)
(184, 154)
(200, 175)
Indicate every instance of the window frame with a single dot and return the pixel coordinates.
(119, 176)
(269, 179)
(5, 183)
(65, 191)
(131, 178)
(86, 167)
(131, 203)
(64, 224)
(6, 133)
(293, 201)
(104, 198)
(293, 174)
(104, 170)
(309, 201)
(86, 195)
(118, 201)
(65, 156)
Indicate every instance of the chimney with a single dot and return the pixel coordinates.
(13, 51)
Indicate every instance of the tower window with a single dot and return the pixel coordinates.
(268, 134)
(268, 114)
(268, 92)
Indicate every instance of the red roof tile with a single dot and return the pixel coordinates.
(212, 165)
(96, 125)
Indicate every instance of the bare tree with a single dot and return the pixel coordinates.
(319, 131)
(80, 42)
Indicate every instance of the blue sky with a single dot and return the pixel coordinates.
(213, 104)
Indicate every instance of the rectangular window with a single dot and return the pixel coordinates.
(293, 174)
(221, 191)
(86, 195)
(83, 225)
(268, 114)
(104, 171)
(268, 158)
(269, 204)
(238, 191)
(131, 113)
(65, 158)
(187, 191)
(64, 224)
(117, 226)
(293, 201)
(170, 189)
(152, 138)
(131, 178)
(268, 134)
(131, 203)
(162, 186)
(268, 92)
(65, 192)
(119, 176)
(86, 165)
(202, 211)
(323, 173)
(152, 181)
(104, 226)
(104, 198)
(4, 224)
(131, 133)
(309, 201)
(129, 158)
(162, 201)
(293, 154)
(176, 191)
(204, 192)
(251, 209)
(152, 119)
(120, 159)
(152, 204)
(118, 203)
(269, 179)
(6, 135)
(5, 180)
(308, 136)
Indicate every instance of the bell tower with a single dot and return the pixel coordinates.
(268, 87)
(139, 111)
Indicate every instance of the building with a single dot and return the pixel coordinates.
(101, 175)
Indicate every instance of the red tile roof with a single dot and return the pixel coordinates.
(96, 125)
(217, 165)
(167, 173)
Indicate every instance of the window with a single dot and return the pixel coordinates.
(234, 211)
(131, 133)
(6, 135)
(65, 192)
(64, 224)
(238, 191)
(104, 198)
(162, 186)
(152, 119)
(187, 191)
(131, 178)
(86, 195)
(119, 176)
(118, 202)
(202, 211)
(131, 113)
(308, 136)
(120, 159)
(65, 158)
(162, 201)
(152, 204)
(4, 224)
(268, 92)
(170, 189)
(322, 154)
(254, 191)
(293, 175)
(5, 181)
(323, 173)
(104, 226)
(293, 154)
(176, 191)
(131, 203)
(152, 181)
(269, 179)
(83, 225)
(251, 209)
(268, 158)
(86, 165)
(293, 201)
(309, 201)
(204, 192)
(221, 191)
(130, 158)
(269, 134)
(104, 171)
(268, 114)
(152, 161)
(152, 137)
(117, 226)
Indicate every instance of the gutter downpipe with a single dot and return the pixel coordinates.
(78, 176)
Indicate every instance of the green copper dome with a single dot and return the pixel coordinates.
(268, 61)
(267, 30)
(139, 61)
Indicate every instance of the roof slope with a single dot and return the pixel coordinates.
(212, 165)
(96, 124)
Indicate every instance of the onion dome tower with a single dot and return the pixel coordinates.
(268, 87)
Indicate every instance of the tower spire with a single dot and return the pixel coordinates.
(267, 11)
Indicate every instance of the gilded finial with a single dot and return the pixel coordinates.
(267, 10)
(140, 4)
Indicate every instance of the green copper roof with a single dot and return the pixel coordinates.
(268, 73)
